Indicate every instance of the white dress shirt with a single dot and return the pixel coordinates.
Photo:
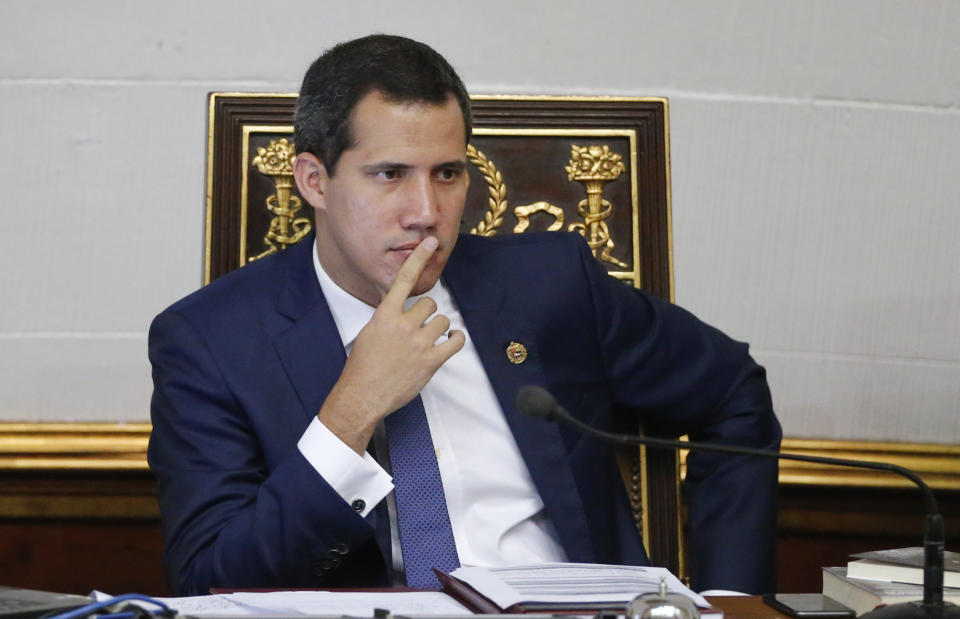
(495, 510)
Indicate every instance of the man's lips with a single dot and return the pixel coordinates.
(409, 247)
(404, 251)
(405, 247)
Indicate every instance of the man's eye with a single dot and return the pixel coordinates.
(389, 175)
(448, 174)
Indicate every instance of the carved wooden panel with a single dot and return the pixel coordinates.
(598, 166)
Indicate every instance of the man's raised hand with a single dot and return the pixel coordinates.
(393, 357)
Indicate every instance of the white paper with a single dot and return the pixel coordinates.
(356, 603)
(217, 605)
(567, 583)
(330, 603)
(199, 605)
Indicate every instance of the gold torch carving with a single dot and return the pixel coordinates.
(276, 161)
(594, 166)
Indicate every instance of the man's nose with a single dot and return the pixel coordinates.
(421, 208)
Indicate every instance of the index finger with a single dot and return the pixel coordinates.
(410, 272)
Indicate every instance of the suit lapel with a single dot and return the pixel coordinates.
(312, 354)
(310, 349)
(496, 319)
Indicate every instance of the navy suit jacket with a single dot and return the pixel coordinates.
(242, 366)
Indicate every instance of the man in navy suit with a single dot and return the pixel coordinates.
(272, 383)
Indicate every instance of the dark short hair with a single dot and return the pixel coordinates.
(402, 69)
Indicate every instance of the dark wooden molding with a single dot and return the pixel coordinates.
(228, 114)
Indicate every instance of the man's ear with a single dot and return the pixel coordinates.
(311, 177)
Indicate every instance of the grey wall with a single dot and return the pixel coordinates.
(815, 144)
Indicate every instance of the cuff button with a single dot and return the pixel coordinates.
(358, 505)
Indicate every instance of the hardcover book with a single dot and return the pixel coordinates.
(901, 565)
(864, 595)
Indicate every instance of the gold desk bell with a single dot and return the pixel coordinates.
(662, 605)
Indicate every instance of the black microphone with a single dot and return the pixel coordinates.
(536, 401)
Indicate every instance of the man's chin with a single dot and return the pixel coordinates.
(426, 282)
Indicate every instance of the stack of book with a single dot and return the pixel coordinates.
(882, 577)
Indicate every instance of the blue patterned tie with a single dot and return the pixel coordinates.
(426, 538)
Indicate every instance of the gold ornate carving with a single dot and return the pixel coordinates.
(276, 161)
(594, 166)
(492, 218)
(523, 213)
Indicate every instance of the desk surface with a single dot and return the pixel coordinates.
(734, 607)
(745, 607)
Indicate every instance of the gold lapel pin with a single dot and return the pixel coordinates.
(516, 352)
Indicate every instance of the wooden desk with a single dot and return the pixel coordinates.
(745, 607)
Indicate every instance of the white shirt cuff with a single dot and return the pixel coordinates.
(359, 481)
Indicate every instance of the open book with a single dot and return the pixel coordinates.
(559, 587)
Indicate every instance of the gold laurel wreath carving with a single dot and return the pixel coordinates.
(493, 217)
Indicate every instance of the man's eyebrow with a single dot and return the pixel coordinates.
(381, 166)
(456, 164)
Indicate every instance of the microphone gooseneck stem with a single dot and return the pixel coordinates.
(933, 529)
(664, 443)
(933, 560)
